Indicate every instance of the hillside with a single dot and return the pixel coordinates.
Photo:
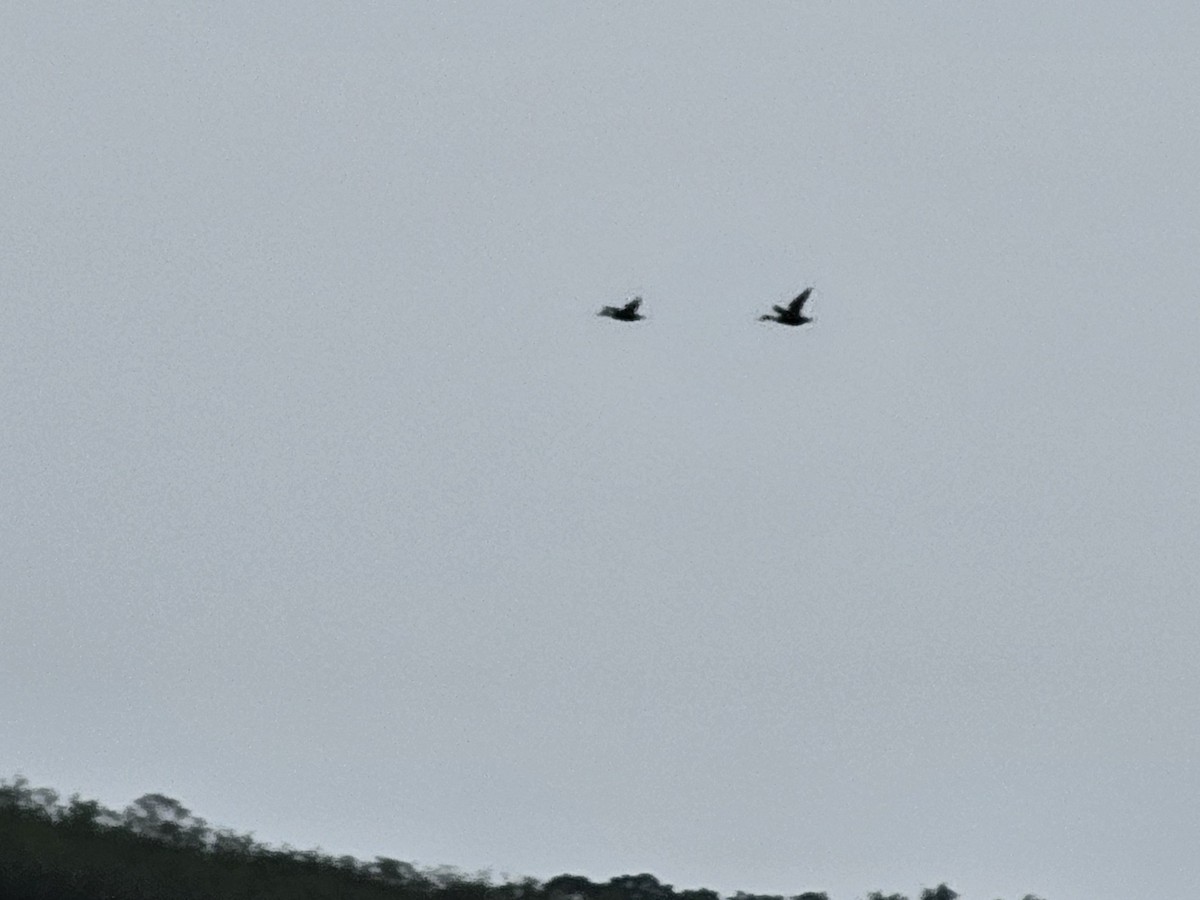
(156, 849)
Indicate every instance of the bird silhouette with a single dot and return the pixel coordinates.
(626, 313)
(791, 315)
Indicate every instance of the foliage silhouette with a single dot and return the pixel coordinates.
(157, 849)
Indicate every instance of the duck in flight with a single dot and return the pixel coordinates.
(626, 313)
(792, 314)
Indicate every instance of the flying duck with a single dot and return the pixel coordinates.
(626, 313)
(792, 314)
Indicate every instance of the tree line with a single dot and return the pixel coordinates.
(157, 849)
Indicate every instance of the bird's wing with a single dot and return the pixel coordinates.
(633, 304)
(798, 304)
(780, 310)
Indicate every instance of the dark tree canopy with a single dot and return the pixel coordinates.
(157, 849)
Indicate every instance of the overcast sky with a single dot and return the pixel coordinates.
(331, 508)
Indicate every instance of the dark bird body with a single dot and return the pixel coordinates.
(792, 314)
(626, 313)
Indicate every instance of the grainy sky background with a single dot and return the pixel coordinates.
(331, 509)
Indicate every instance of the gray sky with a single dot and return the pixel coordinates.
(332, 509)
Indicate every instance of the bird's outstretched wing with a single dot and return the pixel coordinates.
(798, 304)
(632, 305)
